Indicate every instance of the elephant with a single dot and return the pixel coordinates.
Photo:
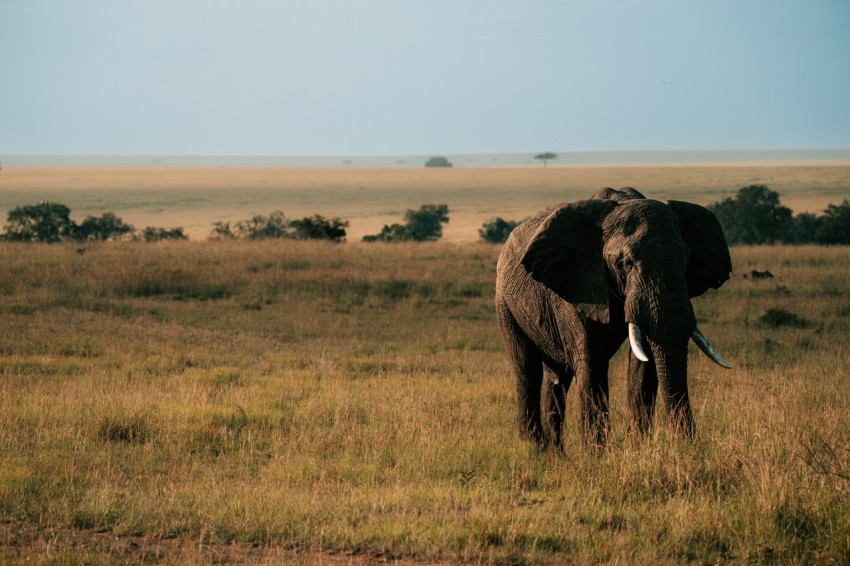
(575, 281)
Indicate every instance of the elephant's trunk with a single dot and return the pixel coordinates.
(671, 362)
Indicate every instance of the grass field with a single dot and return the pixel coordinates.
(268, 401)
(292, 401)
(194, 198)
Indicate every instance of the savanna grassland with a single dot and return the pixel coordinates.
(268, 401)
(204, 401)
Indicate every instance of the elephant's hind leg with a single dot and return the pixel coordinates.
(527, 363)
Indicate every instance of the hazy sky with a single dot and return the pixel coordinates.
(361, 77)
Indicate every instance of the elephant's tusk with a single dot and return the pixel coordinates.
(709, 350)
(636, 342)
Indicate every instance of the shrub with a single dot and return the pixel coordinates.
(753, 216)
(393, 233)
(102, 228)
(222, 231)
(43, 222)
(834, 225)
(318, 227)
(133, 429)
(427, 223)
(276, 225)
(803, 229)
(151, 234)
(497, 231)
(262, 227)
(781, 317)
(421, 225)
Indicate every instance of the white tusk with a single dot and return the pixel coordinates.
(636, 342)
(709, 350)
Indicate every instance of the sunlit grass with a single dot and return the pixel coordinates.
(357, 398)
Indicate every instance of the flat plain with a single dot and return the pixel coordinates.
(210, 401)
(195, 198)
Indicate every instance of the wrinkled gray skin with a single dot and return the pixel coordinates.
(568, 283)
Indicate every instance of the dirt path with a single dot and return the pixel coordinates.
(25, 543)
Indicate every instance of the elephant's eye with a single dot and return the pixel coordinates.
(627, 262)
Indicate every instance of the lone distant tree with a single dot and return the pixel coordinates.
(545, 157)
(438, 162)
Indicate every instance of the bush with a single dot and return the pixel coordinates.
(421, 225)
(753, 216)
(102, 228)
(51, 222)
(276, 225)
(438, 162)
(497, 231)
(803, 229)
(318, 227)
(222, 231)
(834, 225)
(781, 317)
(262, 227)
(43, 222)
(151, 234)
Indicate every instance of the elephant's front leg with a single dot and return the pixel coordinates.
(556, 383)
(642, 385)
(592, 382)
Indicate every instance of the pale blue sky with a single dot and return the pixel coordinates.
(370, 77)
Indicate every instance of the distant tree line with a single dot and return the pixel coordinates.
(51, 222)
(755, 216)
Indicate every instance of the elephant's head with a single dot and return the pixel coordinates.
(643, 256)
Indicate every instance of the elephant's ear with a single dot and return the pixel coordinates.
(709, 265)
(565, 255)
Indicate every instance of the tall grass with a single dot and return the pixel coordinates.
(356, 398)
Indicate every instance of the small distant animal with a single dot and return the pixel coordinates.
(758, 275)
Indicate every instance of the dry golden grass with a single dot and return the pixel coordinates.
(194, 198)
(173, 401)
